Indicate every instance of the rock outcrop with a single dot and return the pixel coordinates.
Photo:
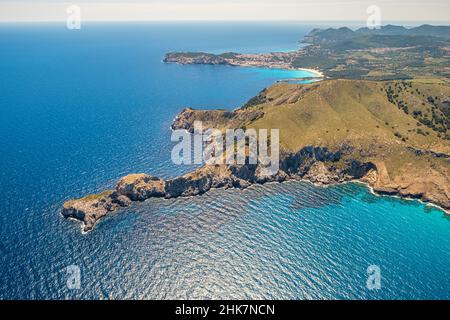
(91, 208)
(138, 187)
(430, 187)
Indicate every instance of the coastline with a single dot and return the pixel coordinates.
(314, 74)
(336, 163)
(70, 137)
(371, 191)
(273, 60)
(425, 203)
(317, 73)
(85, 228)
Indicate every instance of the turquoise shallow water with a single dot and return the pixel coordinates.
(289, 240)
(80, 109)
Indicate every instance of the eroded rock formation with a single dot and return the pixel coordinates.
(313, 164)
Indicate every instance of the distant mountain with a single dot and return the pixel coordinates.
(330, 34)
(344, 33)
(333, 131)
(386, 30)
(390, 52)
(423, 30)
(437, 31)
(338, 39)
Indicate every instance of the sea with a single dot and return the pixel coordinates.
(81, 108)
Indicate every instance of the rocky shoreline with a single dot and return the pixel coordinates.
(321, 142)
(314, 164)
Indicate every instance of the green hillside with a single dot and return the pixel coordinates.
(400, 126)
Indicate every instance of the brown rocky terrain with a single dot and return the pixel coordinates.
(310, 163)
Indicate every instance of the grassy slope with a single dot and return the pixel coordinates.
(354, 112)
(359, 114)
(329, 112)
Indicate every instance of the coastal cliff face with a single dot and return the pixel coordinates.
(315, 164)
(330, 132)
(139, 187)
(91, 208)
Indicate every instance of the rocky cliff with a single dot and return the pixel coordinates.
(330, 132)
(313, 164)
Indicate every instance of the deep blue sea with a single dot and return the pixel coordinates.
(81, 108)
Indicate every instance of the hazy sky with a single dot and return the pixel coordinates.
(300, 10)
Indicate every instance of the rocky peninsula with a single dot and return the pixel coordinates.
(330, 132)
(309, 163)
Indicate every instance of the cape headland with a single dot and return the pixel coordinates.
(391, 135)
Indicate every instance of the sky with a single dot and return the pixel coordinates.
(225, 10)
